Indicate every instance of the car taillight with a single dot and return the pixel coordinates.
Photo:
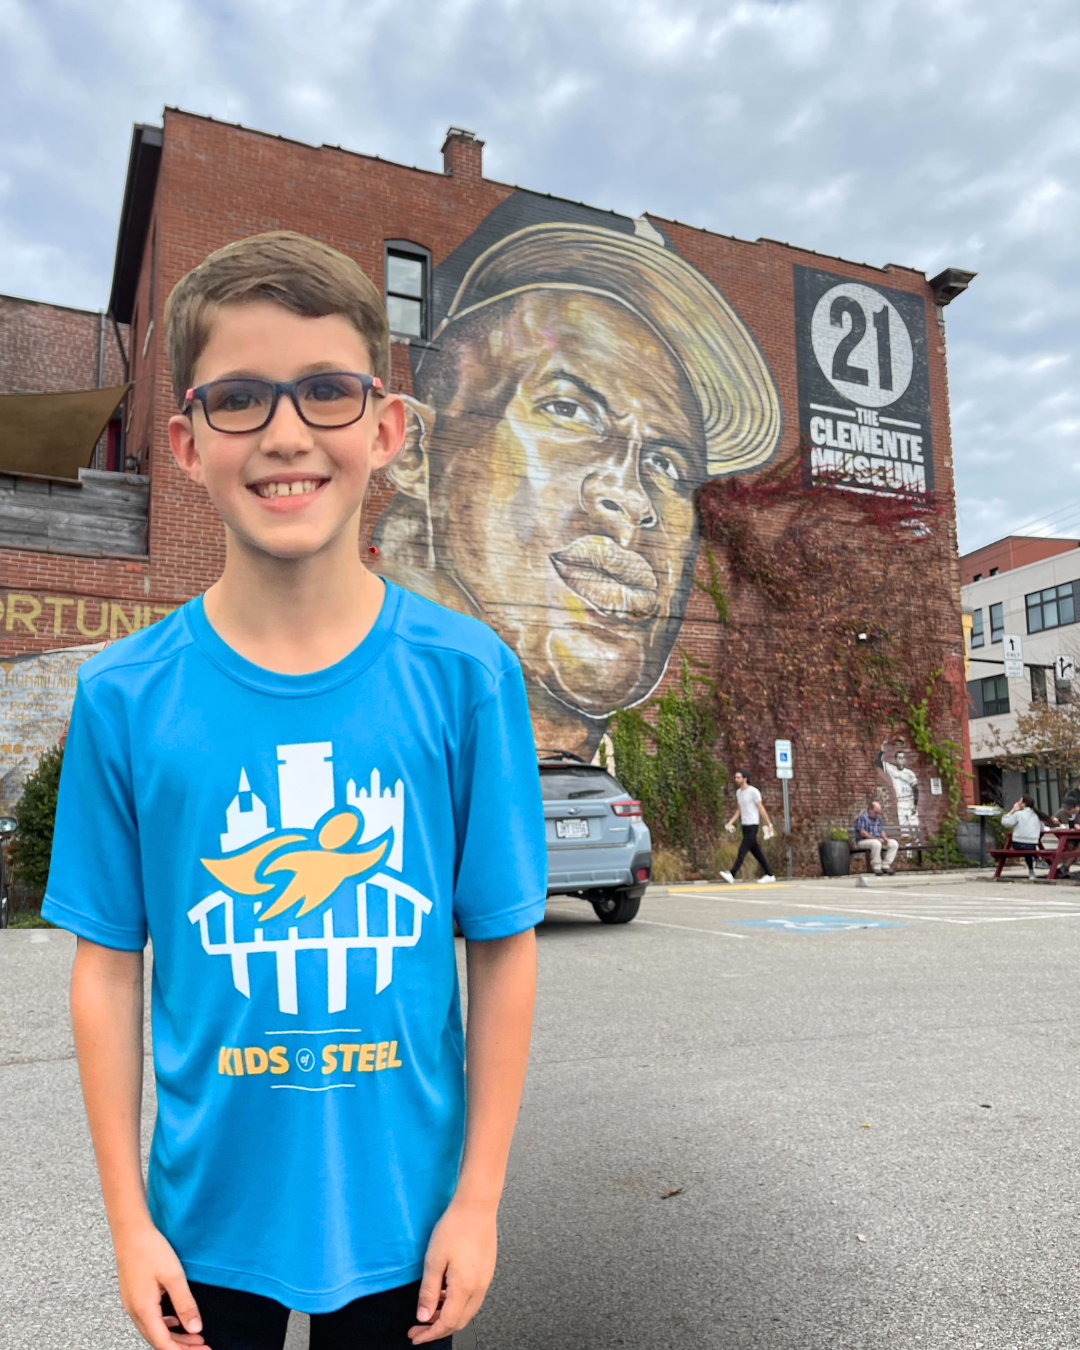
(642, 874)
(626, 808)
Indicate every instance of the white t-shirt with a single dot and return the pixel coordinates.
(748, 798)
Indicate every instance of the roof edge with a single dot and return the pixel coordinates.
(144, 160)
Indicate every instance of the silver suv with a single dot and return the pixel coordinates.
(599, 848)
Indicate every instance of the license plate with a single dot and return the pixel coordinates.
(572, 829)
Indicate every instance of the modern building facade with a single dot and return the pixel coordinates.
(602, 408)
(1037, 603)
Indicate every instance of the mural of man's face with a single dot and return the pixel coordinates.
(564, 454)
(899, 759)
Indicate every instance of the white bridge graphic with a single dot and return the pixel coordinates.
(306, 793)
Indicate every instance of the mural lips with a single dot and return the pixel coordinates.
(615, 581)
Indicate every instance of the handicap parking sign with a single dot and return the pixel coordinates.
(819, 923)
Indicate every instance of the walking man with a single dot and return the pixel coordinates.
(751, 812)
(870, 837)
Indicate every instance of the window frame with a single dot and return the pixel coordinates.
(1036, 601)
(978, 632)
(405, 248)
(997, 634)
(1039, 691)
(980, 701)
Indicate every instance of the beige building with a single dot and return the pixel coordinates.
(1037, 605)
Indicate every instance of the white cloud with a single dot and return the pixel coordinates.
(924, 132)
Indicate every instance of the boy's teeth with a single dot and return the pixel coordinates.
(287, 489)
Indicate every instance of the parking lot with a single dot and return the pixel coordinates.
(810, 1115)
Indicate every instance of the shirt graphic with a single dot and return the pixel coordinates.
(316, 850)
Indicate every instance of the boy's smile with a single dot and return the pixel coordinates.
(289, 489)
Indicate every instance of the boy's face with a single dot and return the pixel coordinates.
(244, 473)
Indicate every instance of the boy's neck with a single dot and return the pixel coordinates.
(293, 616)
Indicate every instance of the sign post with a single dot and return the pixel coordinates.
(784, 771)
(1014, 656)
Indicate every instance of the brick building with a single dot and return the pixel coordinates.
(688, 362)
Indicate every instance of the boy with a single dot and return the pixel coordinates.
(751, 811)
(295, 783)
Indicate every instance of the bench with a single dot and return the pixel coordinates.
(909, 848)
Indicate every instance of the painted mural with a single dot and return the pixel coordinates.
(582, 382)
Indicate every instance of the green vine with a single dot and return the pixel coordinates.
(944, 755)
(671, 765)
(714, 590)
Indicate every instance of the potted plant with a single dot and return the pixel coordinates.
(835, 854)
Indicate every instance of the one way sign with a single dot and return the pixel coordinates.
(1014, 656)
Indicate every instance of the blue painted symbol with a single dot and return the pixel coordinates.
(305, 1060)
(818, 923)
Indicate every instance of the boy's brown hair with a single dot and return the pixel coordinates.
(288, 269)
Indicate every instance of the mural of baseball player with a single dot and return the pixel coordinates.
(905, 785)
(583, 383)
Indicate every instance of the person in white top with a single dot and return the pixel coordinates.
(751, 812)
(1027, 825)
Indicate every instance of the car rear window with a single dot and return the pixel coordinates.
(563, 783)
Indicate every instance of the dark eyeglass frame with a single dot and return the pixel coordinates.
(371, 384)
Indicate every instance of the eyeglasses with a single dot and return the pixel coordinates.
(335, 398)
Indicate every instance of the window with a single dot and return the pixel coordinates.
(1051, 608)
(1038, 684)
(1046, 787)
(407, 284)
(993, 571)
(997, 623)
(1063, 691)
(977, 577)
(978, 637)
(989, 697)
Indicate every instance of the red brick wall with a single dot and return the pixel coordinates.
(1014, 551)
(219, 183)
(50, 349)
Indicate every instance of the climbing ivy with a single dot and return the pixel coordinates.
(945, 755)
(671, 765)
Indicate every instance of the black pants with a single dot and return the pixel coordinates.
(1027, 848)
(749, 845)
(234, 1320)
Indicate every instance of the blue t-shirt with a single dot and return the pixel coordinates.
(297, 848)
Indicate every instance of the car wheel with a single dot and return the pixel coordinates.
(616, 907)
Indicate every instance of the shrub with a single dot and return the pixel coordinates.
(678, 781)
(669, 867)
(31, 847)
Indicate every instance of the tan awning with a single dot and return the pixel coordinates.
(54, 434)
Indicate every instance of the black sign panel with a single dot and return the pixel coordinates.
(864, 387)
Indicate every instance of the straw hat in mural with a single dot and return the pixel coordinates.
(739, 405)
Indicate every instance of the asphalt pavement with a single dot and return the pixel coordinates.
(782, 1118)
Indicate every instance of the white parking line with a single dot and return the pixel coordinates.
(956, 910)
(712, 932)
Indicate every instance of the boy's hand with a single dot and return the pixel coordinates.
(458, 1268)
(148, 1267)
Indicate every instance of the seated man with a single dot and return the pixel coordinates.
(870, 835)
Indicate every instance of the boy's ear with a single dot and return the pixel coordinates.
(182, 440)
(408, 471)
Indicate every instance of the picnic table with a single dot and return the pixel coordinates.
(1065, 850)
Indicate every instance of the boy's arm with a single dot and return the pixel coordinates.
(461, 1254)
(764, 814)
(107, 1020)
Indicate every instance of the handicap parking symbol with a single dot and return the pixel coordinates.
(818, 923)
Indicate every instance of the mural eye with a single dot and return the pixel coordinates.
(660, 462)
(570, 410)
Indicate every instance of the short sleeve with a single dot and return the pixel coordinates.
(95, 879)
(500, 883)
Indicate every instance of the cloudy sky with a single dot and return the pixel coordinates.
(928, 132)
